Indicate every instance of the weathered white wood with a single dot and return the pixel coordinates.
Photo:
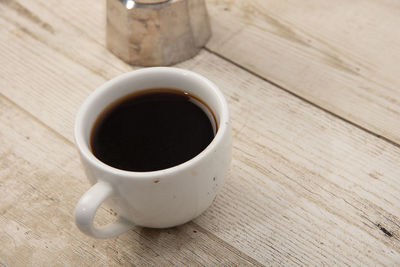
(306, 188)
(302, 179)
(40, 182)
(341, 55)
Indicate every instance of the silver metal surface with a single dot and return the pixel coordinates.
(156, 32)
(150, 1)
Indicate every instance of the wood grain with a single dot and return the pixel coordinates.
(305, 188)
(342, 56)
(40, 182)
(302, 180)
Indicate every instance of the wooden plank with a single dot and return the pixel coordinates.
(340, 55)
(305, 188)
(73, 68)
(40, 182)
(302, 180)
(327, 65)
(21, 84)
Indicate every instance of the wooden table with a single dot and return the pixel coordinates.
(314, 92)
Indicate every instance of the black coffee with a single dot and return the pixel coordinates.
(152, 130)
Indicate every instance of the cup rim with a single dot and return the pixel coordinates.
(84, 148)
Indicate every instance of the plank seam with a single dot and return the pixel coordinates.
(193, 224)
(303, 99)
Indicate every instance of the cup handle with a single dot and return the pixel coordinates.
(86, 209)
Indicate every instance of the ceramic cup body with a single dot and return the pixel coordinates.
(157, 199)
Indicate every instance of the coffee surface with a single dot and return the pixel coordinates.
(152, 130)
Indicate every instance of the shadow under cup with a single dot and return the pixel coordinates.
(162, 198)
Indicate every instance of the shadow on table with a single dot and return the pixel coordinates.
(158, 245)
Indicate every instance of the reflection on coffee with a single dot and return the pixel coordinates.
(152, 130)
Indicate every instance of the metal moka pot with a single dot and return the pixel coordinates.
(156, 32)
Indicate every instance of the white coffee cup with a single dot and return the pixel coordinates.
(158, 199)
